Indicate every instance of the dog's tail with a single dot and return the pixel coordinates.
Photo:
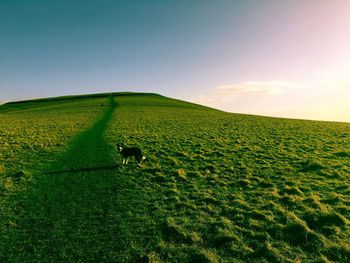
(143, 158)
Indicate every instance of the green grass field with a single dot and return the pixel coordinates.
(215, 187)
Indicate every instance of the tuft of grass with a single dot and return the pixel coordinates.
(326, 217)
(297, 232)
(204, 256)
(339, 253)
(312, 166)
(270, 253)
(181, 173)
(225, 237)
(342, 154)
(172, 231)
(292, 190)
(300, 234)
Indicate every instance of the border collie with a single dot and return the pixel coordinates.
(128, 152)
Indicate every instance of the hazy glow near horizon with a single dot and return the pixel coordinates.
(278, 58)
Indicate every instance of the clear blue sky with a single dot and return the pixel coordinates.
(243, 56)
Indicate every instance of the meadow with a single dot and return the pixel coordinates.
(215, 187)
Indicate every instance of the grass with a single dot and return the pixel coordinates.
(215, 187)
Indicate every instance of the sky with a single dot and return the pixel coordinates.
(286, 58)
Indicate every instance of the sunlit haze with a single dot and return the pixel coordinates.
(277, 58)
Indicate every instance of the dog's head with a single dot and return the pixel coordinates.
(120, 146)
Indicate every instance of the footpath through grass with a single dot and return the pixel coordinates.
(215, 187)
(70, 213)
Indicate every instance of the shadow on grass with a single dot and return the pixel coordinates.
(88, 149)
(85, 169)
(78, 210)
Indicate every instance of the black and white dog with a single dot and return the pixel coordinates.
(128, 152)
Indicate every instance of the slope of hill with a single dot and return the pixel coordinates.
(215, 187)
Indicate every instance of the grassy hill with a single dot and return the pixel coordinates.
(215, 187)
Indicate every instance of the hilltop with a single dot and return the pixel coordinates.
(215, 187)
